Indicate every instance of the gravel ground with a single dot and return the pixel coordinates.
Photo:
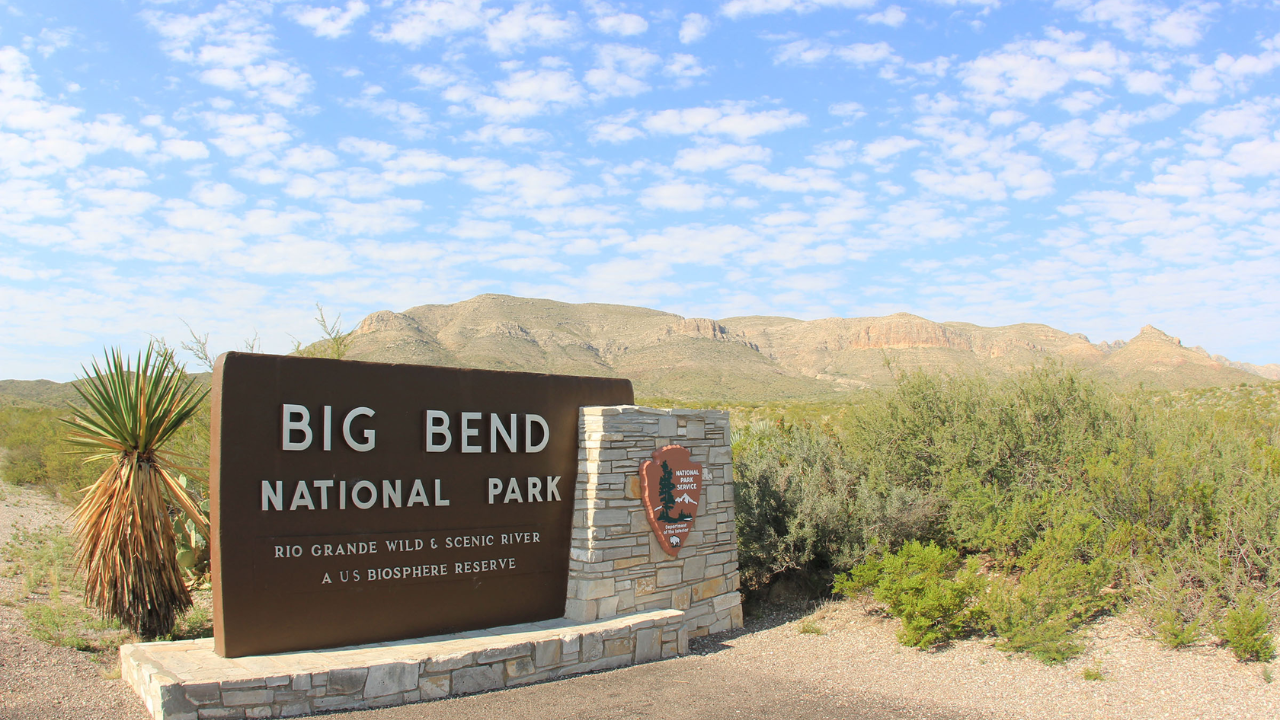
(856, 669)
(37, 680)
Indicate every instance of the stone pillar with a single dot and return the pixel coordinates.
(616, 565)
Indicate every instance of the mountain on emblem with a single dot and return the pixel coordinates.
(671, 487)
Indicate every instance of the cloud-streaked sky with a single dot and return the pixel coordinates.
(1095, 165)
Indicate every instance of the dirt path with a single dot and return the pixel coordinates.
(39, 681)
(855, 670)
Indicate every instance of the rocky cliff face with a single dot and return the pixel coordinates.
(759, 358)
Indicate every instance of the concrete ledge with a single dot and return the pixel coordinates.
(186, 680)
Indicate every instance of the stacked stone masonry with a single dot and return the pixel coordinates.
(185, 680)
(616, 565)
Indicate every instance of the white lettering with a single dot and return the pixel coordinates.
(373, 494)
(326, 580)
(529, 420)
(301, 497)
(535, 489)
(328, 428)
(418, 494)
(553, 493)
(468, 431)
(495, 487)
(324, 486)
(388, 494)
(438, 424)
(275, 496)
(290, 425)
(440, 501)
(365, 446)
(342, 494)
(513, 491)
(496, 428)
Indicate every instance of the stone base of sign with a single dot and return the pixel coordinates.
(186, 680)
(616, 565)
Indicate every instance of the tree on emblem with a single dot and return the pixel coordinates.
(667, 494)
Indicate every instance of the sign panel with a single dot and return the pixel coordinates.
(671, 492)
(361, 502)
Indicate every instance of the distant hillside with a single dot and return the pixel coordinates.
(742, 359)
(36, 393)
(760, 358)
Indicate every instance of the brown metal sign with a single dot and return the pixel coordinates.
(671, 490)
(364, 502)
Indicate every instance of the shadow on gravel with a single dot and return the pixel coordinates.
(760, 619)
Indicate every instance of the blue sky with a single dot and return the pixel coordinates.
(1091, 165)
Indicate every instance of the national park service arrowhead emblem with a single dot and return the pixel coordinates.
(671, 489)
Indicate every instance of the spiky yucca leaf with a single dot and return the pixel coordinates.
(125, 544)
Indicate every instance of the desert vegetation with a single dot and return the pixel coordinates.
(1025, 507)
(1019, 508)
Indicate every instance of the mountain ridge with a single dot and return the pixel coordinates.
(753, 358)
(758, 358)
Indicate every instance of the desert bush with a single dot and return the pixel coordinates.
(793, 503)
(36, 453)
(1246, 629)
(924, 585)
(1078, 498)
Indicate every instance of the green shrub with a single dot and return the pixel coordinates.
(1246, 629)
(35, 452)
(925, 586)
(793, 501)
(1040, 611)
(1077, 496)
(1176, 631)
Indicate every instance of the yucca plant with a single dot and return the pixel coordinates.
(125, 544)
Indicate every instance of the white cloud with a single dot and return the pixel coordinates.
(328, 22)
(241, 134)
(735, 9)
(620, 71)
(1246, 119)
(1028, 70)
(523, 94)
(367, 149)
(717, 156)
(681, 196)
(308, 158)
(51, 40)
(972, 186)
(505, 135)
(800, 180)
(528, 24)
(851, 111)
(694, 28)
(893, 16)
(881, 149)
(416, 22)
(1150, 23)
(612, 21)
(375, 218)
(616, 128)
(684, 68)
(216, 195)
(185, 149)
(234, 45)
(729, 119)
(409, 118)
